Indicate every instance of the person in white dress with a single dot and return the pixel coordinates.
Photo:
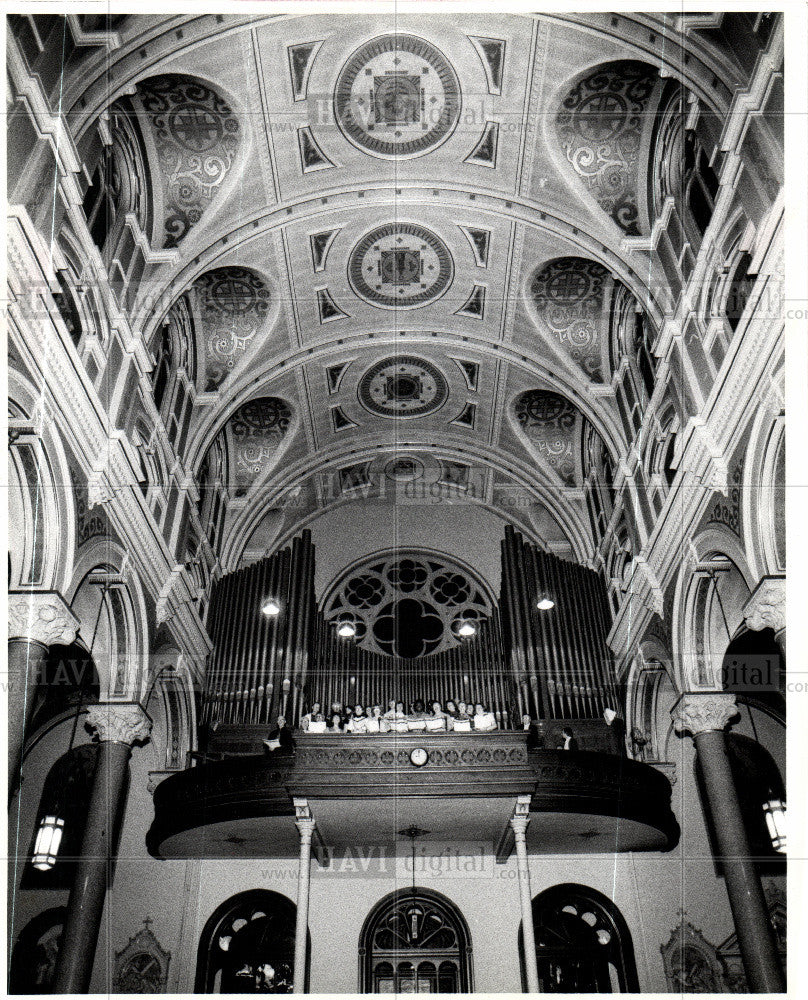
(484, 721)
(309, 717)
(358, 722)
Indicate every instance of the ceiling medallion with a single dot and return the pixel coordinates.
(397, 96)
(400, 266)
(403, 386)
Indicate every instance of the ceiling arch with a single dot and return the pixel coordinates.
(646, 36)
(597, 409)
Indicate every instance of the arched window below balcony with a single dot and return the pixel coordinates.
(415, 941)
(583, 944)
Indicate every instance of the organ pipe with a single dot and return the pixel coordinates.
(564, 648)
(546, 664)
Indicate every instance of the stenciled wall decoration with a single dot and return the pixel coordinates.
(397, 96)
(403, 386)
(406, 603)
(400, 265)
(197, 136)
(600, 127)
(551, 424)
(569, 294)
(256, 431)
(232, 306)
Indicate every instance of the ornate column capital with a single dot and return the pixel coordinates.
(41, 616)
(703, 712)
(521, 817)
(304, 820)
(766, 608)
(119, 722)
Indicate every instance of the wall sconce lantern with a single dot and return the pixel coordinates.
(775, 812)
(48, 840)
(271, 608)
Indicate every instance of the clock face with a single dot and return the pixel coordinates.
(419, 757)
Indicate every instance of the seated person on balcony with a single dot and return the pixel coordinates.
(336, 709)
(336, 723)
(416, 721)
(358, 721)
(280, 738)
(438, 722)
(570, 743)
(374, 720)
(462, 722)
(484, 721)
(397, 718)
(309, 717)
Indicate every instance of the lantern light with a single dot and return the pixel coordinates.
(466, 629)
(48, 839)
(346, 630)
(271, 608)
(545, 603)
(775, 813)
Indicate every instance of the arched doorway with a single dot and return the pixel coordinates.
(583, 944)
(248, 945)
(415, 941)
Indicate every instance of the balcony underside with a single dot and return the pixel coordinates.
(364, 789)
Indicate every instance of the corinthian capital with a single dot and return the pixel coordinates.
(710, 711)
(119, 722)
(766, 608)
(41, 616)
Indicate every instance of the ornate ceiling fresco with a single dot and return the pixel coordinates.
(407, 249)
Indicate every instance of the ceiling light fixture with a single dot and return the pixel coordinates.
(271, 608)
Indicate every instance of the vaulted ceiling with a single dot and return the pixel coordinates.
(399, 243)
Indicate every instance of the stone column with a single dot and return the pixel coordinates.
(519, 822)
(766, 608)
(705, 716)
(36, 620)
(118, 726)
(305, 825)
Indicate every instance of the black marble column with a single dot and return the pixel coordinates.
(118, 727)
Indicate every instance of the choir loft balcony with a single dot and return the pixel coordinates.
(506, 700)
(364, 789)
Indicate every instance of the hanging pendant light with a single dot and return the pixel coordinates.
(48, 840)
(775, 812)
